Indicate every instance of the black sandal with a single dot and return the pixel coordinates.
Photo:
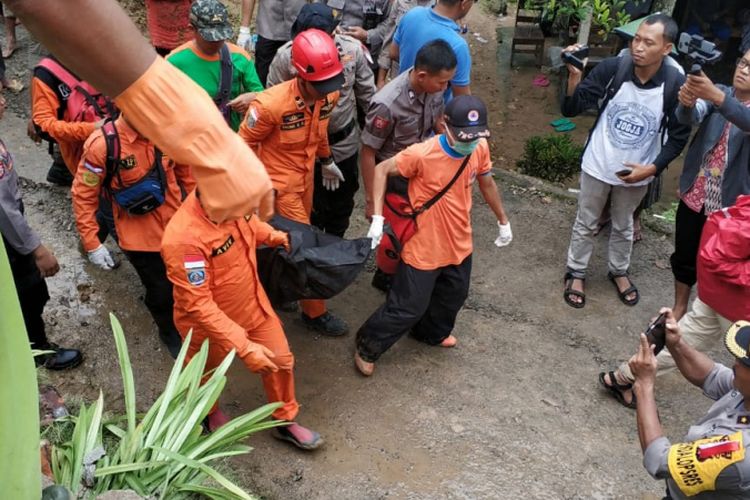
(623, 295)
(568, 281)
(616, 389)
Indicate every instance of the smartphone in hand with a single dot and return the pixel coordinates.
(656, 333)
(624, 172)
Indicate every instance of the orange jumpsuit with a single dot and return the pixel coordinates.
(69, 135)
(287, 136)
(218, 294)
(140, 233)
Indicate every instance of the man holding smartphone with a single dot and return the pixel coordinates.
(638, 95)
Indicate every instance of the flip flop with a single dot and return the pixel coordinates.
(559, 121)
(540, 81)
(565, 127)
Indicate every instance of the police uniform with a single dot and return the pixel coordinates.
(273, 23)
(398, 117)
(288, 136)
(20, 241)
(697, 468)
(397, 11)
(368, 14)
(332, 209)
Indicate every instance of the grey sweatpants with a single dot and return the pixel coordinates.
(591, 202)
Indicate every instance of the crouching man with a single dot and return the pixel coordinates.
(711, 461)
(218, 294)
(432, 280)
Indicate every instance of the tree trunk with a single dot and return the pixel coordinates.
(585, 28)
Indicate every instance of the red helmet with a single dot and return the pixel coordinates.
(316, 59)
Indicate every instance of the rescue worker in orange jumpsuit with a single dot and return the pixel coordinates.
(287, 127)
(218, 294)
(48, 106)
(139, 234)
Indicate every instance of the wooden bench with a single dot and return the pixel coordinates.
(528, 39)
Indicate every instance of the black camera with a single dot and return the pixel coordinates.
(576, 57)
(699, 51)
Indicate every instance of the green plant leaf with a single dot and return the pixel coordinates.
(126, 370)
(224, 482)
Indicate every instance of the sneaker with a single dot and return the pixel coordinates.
(381, 281)
(61, 359)
(59, 175)
(327, 324)
(301, 437)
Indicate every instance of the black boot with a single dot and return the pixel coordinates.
(60, 359)
(382, 281)
(59, 175)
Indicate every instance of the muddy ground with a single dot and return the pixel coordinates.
(513, 412)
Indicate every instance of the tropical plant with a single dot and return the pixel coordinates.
(606, 15)
(555, 158)
(19, 413)
(163, 453)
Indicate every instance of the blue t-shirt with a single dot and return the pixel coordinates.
(421, 25)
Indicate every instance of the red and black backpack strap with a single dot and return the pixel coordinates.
(112, 162)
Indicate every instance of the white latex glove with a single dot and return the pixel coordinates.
(376, 230)
(102, 258)
(245, 39)
(506, 235)
(332, 176)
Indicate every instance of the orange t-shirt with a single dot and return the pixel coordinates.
(213, 267)
(287, 135)
(139, 233)
(443, 234)
(169, 22)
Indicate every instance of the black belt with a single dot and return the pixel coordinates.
(342, 134)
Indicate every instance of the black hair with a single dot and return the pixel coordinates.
(671, 29)
(435, 56)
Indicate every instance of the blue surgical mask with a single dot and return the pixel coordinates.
(465, 148)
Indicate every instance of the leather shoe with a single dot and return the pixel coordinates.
(61, 359)
(327, 324)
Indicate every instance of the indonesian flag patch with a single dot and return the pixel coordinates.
(195, 267)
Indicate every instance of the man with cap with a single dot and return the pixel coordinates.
(204, 59)
(408, 110)
(432, 279)
(333, 202)
(711, 461)
(287, 127)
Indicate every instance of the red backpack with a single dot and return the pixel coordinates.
(79, 101)
(724, 261)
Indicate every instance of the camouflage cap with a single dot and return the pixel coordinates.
(211, 20)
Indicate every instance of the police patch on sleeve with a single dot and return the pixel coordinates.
(695, 466)
(90, 179)
(195, 267)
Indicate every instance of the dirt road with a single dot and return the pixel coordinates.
(513, 412)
